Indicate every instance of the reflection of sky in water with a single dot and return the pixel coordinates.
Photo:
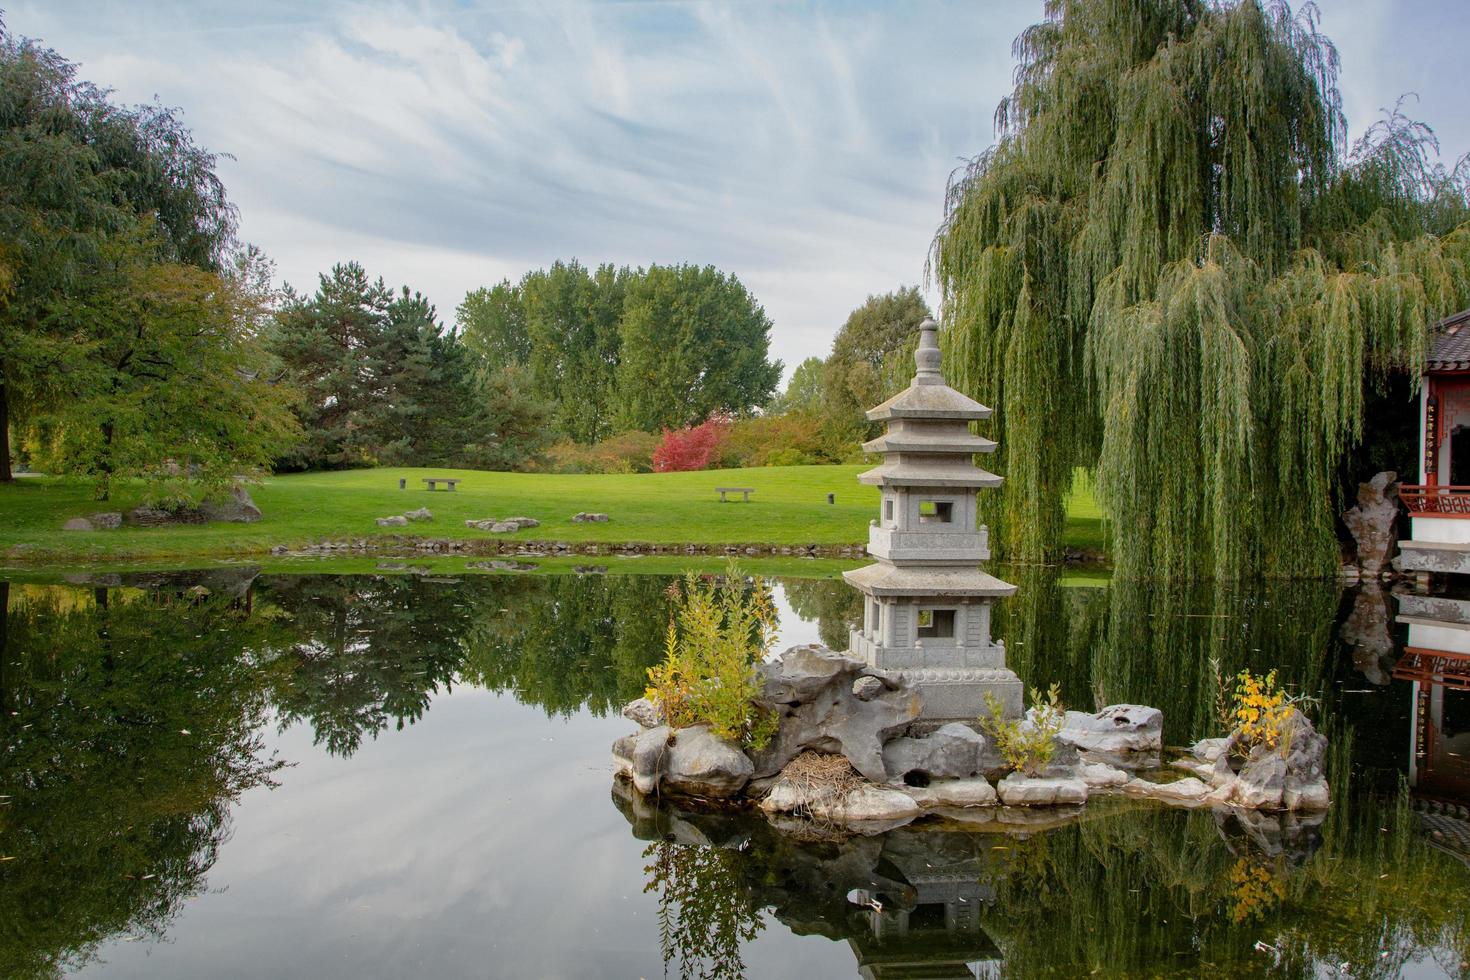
(480, 840)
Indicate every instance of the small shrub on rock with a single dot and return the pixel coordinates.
(718, 636)
(1026, 747)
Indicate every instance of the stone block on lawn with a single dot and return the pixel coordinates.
(237, 508)
(398, 520)
(422, 514)
(583, 517)
(107, 521)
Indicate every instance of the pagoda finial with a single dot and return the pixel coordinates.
(926, 357)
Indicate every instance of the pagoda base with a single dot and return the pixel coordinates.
(958, 693)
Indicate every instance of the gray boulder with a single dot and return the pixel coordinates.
(954, 751)
(107, 521)
(867, 688)
(1117, 729)
(422, 514)
(397, 520)
(811, 690)
(865, 807)
(583, 517)
(644, 712)
(1019, 790)
(238, 508)
(954, 793)
(685, 761)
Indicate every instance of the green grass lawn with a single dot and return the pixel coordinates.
(789, 507)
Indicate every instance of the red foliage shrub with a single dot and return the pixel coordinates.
(693, 447)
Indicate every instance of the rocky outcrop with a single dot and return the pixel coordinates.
(397, 520)
(1290, 775)
(811, 689)
(584, 517)
(422, 514)
(1373, 523)
(107, 521)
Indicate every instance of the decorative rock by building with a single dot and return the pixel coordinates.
(927, 601)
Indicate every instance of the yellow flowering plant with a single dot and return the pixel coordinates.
(1262, 708)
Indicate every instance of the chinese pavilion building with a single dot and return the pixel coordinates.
(1439, 504)
(927, 600)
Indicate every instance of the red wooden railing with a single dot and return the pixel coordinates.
(1434, 667)
(1435, 501)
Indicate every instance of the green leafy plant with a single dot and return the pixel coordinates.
(1027, 748)
(718, 634)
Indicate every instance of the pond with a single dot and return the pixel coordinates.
(227, 773)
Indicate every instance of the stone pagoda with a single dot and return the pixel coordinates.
(926, 609)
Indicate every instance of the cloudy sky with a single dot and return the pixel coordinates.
(802, 146)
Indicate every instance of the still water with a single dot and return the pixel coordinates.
(227, 774)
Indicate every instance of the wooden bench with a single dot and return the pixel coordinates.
(745, 491)
(433, 481)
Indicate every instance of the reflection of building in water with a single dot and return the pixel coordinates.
(936, 934)
(1436, 661)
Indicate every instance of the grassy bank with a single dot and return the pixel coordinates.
(789, 507)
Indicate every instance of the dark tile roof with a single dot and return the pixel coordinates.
(1450, 347)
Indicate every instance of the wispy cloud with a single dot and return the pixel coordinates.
(803, 147)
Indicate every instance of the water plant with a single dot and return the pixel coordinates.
(1026, 745)
(719, 632)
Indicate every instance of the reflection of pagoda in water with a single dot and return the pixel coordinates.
(907, 902)
(1436, 661)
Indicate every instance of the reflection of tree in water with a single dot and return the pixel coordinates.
(1152, 643)
(569, 642)
(363, 652)
(130, 725)
(367, 652)
(836, 607)
(705, 910)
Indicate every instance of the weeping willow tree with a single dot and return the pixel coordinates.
(1172, 269)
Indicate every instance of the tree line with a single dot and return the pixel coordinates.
(139, 338)
(618, 349)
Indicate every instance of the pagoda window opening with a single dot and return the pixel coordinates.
(936, 624)
(936, 512)
(888, 509)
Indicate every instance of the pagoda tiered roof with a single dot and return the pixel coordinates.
(884, 579)
(929, 401)
(930, 440)
(929, 472)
